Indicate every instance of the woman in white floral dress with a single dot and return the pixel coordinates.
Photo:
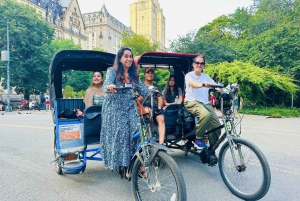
(119, 120)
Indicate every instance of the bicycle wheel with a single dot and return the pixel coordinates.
(165, 180)
(251, 178)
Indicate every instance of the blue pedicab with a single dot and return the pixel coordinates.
(76, 140)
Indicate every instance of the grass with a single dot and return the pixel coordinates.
(276, 112)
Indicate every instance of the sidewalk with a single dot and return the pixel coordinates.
(27, 112)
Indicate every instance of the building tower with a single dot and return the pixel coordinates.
(103, 31)
(146, 18)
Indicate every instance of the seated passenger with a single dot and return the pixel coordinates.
(172, 94)
(94, 95)
(157, 105)
(23, 104)
(31, 105)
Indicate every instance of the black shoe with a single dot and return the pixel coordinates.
(213, 159)
(203, 157)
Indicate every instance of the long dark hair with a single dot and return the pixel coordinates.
(132, 71)
(167, 90)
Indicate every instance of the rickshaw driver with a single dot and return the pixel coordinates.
(197, 103)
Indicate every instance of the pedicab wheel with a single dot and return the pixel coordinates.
(164, 181)
(251, 178)
(58, 169)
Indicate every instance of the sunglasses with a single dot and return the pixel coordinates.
(199, 63)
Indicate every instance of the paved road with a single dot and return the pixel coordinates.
(26, 149)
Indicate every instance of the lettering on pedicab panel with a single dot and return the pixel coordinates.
(69, 132)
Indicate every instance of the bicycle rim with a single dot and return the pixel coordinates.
(166, 181)
(249, 180)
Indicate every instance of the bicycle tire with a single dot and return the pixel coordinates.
(160, 187)
(255, 169)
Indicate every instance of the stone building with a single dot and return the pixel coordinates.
(64, 15)
(103, 31)
(146, 18)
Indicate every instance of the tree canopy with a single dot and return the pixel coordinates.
(28, 63)
(265, 35)
(256, 84)
(138, 43)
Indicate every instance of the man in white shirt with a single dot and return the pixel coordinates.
(197, 103)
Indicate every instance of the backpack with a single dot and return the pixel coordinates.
(184, 122)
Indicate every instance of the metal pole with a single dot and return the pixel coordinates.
(9, 109)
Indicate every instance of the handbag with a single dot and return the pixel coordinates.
(68, 114)
(142, 110)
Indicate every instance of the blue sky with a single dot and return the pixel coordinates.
(182, 16)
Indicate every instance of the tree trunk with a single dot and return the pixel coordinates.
(26, 94)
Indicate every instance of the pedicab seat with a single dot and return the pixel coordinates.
(171, 116)
(92, 124)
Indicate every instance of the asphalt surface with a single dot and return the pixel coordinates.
(26, 150)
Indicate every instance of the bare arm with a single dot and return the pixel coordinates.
(195, 84)
(166, 103)
(160, 101)
(179, 100)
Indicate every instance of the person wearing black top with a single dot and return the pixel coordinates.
(172, 94)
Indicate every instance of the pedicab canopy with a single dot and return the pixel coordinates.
(180, 63)
(83, 60)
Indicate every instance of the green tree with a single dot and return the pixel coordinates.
(138, 43)
(81, 94)
(62, 44)
(78, 80)
(69, 92)
(99, 49)
(28, 38)
(258, 85)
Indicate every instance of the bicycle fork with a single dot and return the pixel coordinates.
(229, 129)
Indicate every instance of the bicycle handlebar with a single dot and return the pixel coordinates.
(151, 89)
(217, 86)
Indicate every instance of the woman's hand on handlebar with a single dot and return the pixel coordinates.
(111, 88)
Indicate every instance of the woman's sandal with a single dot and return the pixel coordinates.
(142, 172)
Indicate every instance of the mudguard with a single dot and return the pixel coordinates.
(156, 147)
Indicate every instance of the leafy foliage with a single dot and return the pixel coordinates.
(78, 80)
(277, 112)
(138, 43)
(69, 92)
(265, 34)
(256, 84)
(29, 64)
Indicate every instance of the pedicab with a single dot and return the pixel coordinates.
(243, 167)
(77, 140)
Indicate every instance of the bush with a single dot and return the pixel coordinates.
(273, 111)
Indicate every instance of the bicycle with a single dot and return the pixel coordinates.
(164, 180)
(240, 161)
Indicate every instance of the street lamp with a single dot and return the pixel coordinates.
(5, 57)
